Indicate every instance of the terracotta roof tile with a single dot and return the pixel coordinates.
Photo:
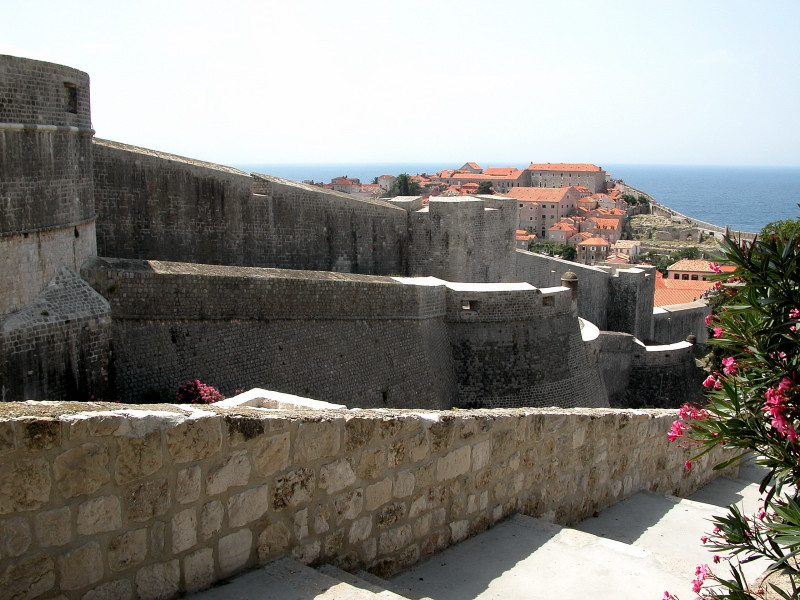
(562, 167)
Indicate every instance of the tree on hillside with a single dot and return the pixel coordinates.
(780, 229)
(485, 187)
(405, 186)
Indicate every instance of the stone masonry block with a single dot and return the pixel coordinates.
(28, 578)
(336, 476)
(248, 506)
(81, 567)
(293, 488)
(348, 506)
(127, 550)
(271, 454)
(98, 515)
(138, 457)
(121, 589)
(81, 470)
(378, 494)
(147, 500)
(233, 471)
(24, 485)
(184, 530)
(53, 528)
(211, 519)
(234, 551)
(198, 570)
(272, 541)
(187, 485)
(481, 454)
(317, 440)
(195, 439)
(159, 581)
(453, 464)
(15, 537)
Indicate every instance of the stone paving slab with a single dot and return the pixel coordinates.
(286, 579)
(530, 559)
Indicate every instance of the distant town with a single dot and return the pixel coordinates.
(572, 210)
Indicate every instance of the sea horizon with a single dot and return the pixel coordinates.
(745, 198)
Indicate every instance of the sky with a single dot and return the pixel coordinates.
(697, 82)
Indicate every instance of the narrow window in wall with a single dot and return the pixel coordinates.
(70, 98)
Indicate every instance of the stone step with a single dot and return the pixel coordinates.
(390, 585)
(287, 579)
(530, 559)
(664, 525)
(363, 580)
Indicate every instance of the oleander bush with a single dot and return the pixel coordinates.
(197, 392)
(753, 407)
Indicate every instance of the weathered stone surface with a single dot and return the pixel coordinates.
(481, 454)
(396, 453)
(358, 433)
(28, 578)
(187, 485)
(127, 550)
(195, 439)
(184, 530)
(394, 539)
(7, 438)
(316, 440)
(39, 433)
(307, 553)
(158, 582)
(122, 589)
(333, 542)
(404, 484)
(441, 434)
(211, 519)
(15, 537)
(271, 454)
(372, 463)
(198, 570)
(336, 476)
(248, 506)
(459, 530)
(301, 524)
(293, 488)
(24, 485)
(147, 500)
(422, 525)
(378, 494)
(272, 541)
(321, 518)
(418, 447)
(93, 426)
(81, 470)
(360, 530)
(389, 515)
(233, 471)
(234, 551)
(137, 457)
(453, 464)
(53, 527)
(98, 515)
(348, 506)
(81, 567)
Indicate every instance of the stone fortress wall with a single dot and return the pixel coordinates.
(104, 501)
(153, 206)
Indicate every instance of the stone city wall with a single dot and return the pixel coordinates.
(664, 376)
(358, 340)
(675, 323)
(112, 501)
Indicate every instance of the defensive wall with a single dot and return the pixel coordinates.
(110, 501)
(358, 340)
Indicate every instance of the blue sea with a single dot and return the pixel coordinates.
(745, 198)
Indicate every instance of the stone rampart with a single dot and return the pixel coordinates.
(110, 501)
(675, 323)
(664, 376)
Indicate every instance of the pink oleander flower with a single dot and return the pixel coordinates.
(709, 319)
(704, 539)
(710, 381)
(716, 558)
(729, 366)
(688, 465)
(717, 332)
(678, 427)
(668, 596)
(794, 313)
(715, 267)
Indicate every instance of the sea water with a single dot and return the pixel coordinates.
(744, 198)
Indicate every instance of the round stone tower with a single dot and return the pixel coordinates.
(46, 189)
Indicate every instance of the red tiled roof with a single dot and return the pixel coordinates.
(538, 194)
(562, 167)
(697, 266)
(594, 241)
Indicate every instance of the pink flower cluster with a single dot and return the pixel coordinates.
(712, 381)
(197, 392)
(700, 574)
(729, 366)
(775, 405)
(686, 412)
(715, 267)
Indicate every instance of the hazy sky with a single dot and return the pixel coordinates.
(625, 81)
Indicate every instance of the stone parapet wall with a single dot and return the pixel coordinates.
(675, 323)
(110, 501)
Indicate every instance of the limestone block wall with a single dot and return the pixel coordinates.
(58, 346)
(112, 501)
(153, 205)
(519, 347)
(45, 176)
(357, 340)
(630, 307)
